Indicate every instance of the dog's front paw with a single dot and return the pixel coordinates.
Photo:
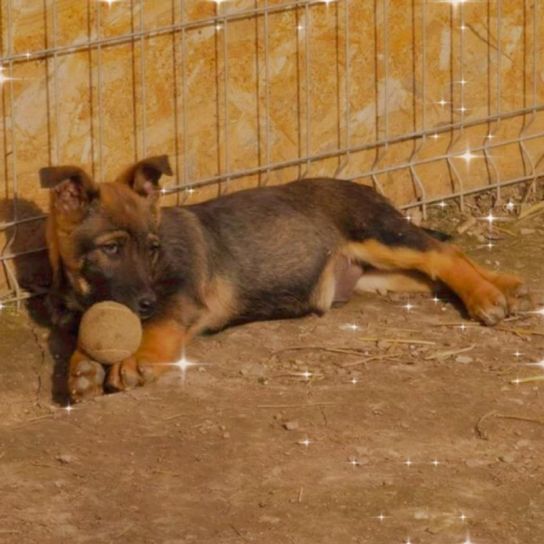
(129, 374)
(86, 380)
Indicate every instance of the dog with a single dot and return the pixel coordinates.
(265, 253)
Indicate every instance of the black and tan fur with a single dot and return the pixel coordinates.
(271, 252)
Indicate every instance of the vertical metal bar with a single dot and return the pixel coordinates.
(143, 127)
(184, 107)
(175, 97)
(531, 188)
(347, 90)
(226, 142)
(56, 84)
(418, 144)
(377, 184)
(386, 73)
(458, 133)
(99, 93)
(267, 88)
(11, 277)
(307, 83)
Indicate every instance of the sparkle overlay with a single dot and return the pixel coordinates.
(183, 364)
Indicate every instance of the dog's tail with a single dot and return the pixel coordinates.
(442, 236)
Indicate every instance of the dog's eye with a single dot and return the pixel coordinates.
(110, 249)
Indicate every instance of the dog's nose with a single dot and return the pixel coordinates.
(146, 305)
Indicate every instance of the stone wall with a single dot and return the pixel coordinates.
(225, 97)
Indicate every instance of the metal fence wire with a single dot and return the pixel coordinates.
(427, 100)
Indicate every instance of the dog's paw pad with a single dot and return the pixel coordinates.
(86, 380)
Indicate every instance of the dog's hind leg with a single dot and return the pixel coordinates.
(483, 298)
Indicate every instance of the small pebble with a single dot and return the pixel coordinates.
(65, 458)
(290, 425)
(507, 458)
(464, 359)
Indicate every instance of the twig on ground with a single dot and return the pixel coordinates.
(449, 353)
(233, 527)
(485, 436)
(520, 332)
(356, 351)
(478, 427)
(539, 378)
(308, 405)
(371, 358)
(521, 418)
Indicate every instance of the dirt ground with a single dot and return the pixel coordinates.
(407, 428)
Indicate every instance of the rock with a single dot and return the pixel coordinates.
(466, 225)
(290, 425)
(474, 463)
(65, 458)
(506, 458)
(464, 359)
(269, 519)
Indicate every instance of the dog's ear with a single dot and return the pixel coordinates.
(71, 187)
(143, 177)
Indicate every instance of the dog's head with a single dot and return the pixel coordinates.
(103, 238)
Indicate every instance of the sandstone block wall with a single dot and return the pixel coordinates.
(238, 98)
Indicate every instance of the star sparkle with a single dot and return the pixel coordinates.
(435, 136)
(354, 381)
(442, 102)
(408, 463)
(306, 442)
(435, 462)
(490, 218)
(306, 374)
(350, 327)
(68, 408)
(462, 517)
(408, 306)
(436, 300)
(442, 204)
(183, 364)
(539, 364)
(3, 77)
(468, 155)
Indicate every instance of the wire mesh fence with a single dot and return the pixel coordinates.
(424, 99)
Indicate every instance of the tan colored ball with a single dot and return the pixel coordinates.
(109, 332)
